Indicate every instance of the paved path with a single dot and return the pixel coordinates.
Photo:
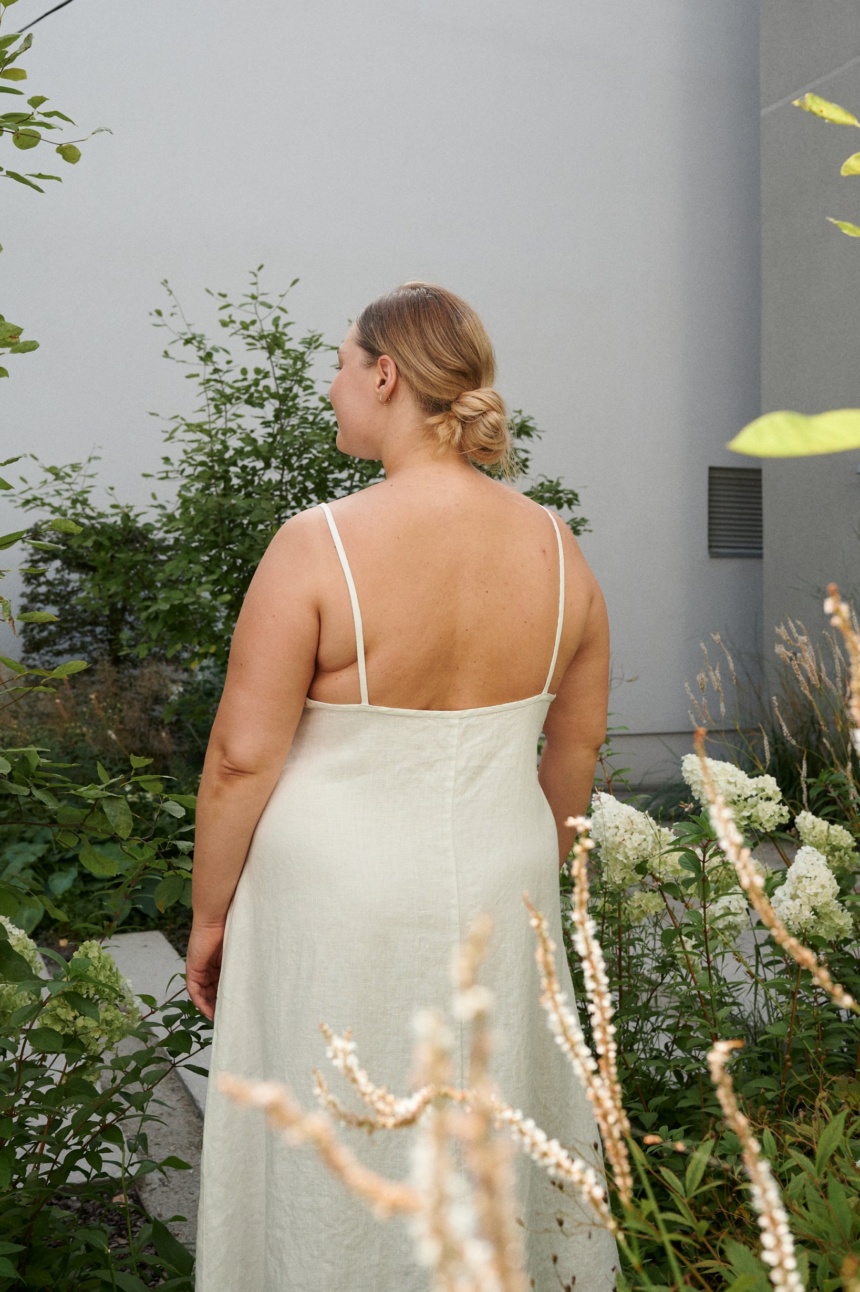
(151, 965)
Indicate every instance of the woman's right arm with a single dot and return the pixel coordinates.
(575, 726)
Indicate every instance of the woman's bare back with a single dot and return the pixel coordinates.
(457, 580)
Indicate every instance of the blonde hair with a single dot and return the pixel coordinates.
(443, 352)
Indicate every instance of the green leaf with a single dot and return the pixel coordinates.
(26, 138)
(47, 1040)
(137, 761)
(88, 1008)
(22, 179)
(118, 813)
(696, 1166)
(851, 165)
(125, 1282)
(170, 1249)
(37, 617)
(853, 230)
(185, 800)
(4, 372)
(36, 100)
(98, 865)
(14, 664)
(7, 1163)
(833, 1132)
(70, 153)
(787, 434)
(4, 484)
(103, 774)
(13, 73)
(7, 1269)
(71, 666)
(13, 967)
(23, 347)
(168, 891)
(826, 110)
(62, 525)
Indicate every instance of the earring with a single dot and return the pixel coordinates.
(381, 400)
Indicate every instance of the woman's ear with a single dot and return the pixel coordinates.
(386, 377)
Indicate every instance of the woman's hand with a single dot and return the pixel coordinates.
(203, 965)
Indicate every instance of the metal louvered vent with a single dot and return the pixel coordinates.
(734, 511)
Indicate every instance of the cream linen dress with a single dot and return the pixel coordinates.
(387, 832)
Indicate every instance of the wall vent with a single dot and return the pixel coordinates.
(734, 511)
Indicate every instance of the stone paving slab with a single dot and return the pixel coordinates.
(152, 967)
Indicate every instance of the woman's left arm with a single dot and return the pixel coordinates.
(271, 665)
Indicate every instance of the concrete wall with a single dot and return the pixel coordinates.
(585, 174)
(810, 300)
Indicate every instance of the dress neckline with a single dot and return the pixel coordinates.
(432, 713)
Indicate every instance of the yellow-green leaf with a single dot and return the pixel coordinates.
(786, 434)
(26, 138)
(853, 230)
(851, 165)
(826, 110)
(13, 74)
(69, 153)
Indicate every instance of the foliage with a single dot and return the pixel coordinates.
(26, 129)
(787, 434)
(259, 448)
(74, 1117)
(687, 965)
(804, 735)
(80, 1064)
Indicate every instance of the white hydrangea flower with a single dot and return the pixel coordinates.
(806, 902)
(10, 998)
(834, 842)
(728, 914)
(756, 801)
(627, 837)
(641, 904)
(118, 1012)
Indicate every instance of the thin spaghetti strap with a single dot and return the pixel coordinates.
(560, 601)
(353, 598)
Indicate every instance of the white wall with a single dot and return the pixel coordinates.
(810, 276)
(584, 173)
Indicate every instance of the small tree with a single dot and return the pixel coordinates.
(259, 448)
(26, 130)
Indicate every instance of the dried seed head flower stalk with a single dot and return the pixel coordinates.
(715, 637)
(840, 617)
(732, 844)
(780, 719)
(608, 1110)
(556, 1161)
(776, 1240)
(590, 952)
(390, 1112)
(385, 1197)
(488, 1157)
(447, 1231)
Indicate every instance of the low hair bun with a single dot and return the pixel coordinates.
(477, 424)
(442, 351)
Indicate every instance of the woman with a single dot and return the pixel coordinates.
(370, 786)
